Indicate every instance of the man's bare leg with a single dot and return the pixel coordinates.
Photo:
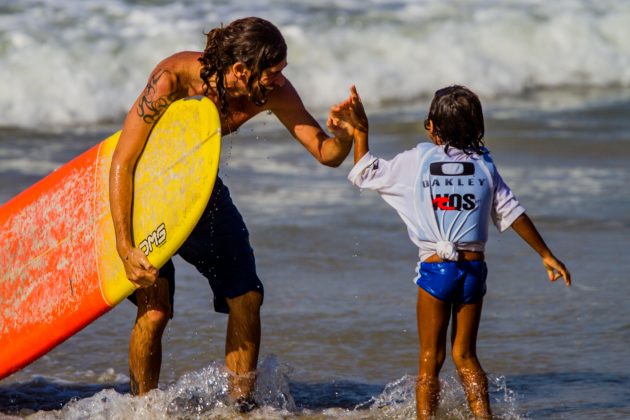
(243, 343)
(145, 345)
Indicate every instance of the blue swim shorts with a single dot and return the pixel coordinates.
(219, 249)
(454, 281)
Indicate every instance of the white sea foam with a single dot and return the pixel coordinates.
(27, 166)
(68, 61)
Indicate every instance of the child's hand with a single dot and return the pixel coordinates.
(338, 122)
(357, 112)
(556, 269)
(348, 116)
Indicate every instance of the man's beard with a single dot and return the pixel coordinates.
(258, 94)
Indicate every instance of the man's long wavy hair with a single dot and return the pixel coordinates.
(457, 119)
(253, 41)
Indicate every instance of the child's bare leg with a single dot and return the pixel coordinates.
(466, 319)
(433, 317)
(427, 395)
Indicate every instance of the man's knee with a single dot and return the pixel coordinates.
(154, 304)
(157, 317)
(248, 302)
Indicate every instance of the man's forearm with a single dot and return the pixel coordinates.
(120, 194)
(335, 150)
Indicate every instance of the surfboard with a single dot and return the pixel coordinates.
(59, 268)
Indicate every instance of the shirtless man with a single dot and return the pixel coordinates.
(241, 72)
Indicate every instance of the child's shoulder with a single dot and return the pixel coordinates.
(418, 150)
(425, 146)
(486, 155)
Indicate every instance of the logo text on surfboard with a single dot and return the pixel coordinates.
(155, 238)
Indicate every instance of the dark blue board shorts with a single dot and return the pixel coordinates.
(219, 249)
(454, 281)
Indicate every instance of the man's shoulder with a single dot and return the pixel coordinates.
(178, 70)
(180, 62)
(286, 91)
(285, 97)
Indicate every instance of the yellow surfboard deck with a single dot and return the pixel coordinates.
(59, 268)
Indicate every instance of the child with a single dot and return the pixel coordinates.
(446, 192)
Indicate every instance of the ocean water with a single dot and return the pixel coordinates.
(339, 328)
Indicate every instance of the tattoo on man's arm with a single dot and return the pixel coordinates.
(150, 108)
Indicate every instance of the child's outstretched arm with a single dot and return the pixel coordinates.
(526, 230)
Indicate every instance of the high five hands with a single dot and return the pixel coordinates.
(348, 115)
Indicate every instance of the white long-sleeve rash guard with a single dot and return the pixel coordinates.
(444, 199)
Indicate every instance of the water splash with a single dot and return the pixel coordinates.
(397, 401)
(203, 394)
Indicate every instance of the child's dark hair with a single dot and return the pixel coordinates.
(457, 119)
(253, 41)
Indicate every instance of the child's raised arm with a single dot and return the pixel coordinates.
(351, 112)
(526, 230)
